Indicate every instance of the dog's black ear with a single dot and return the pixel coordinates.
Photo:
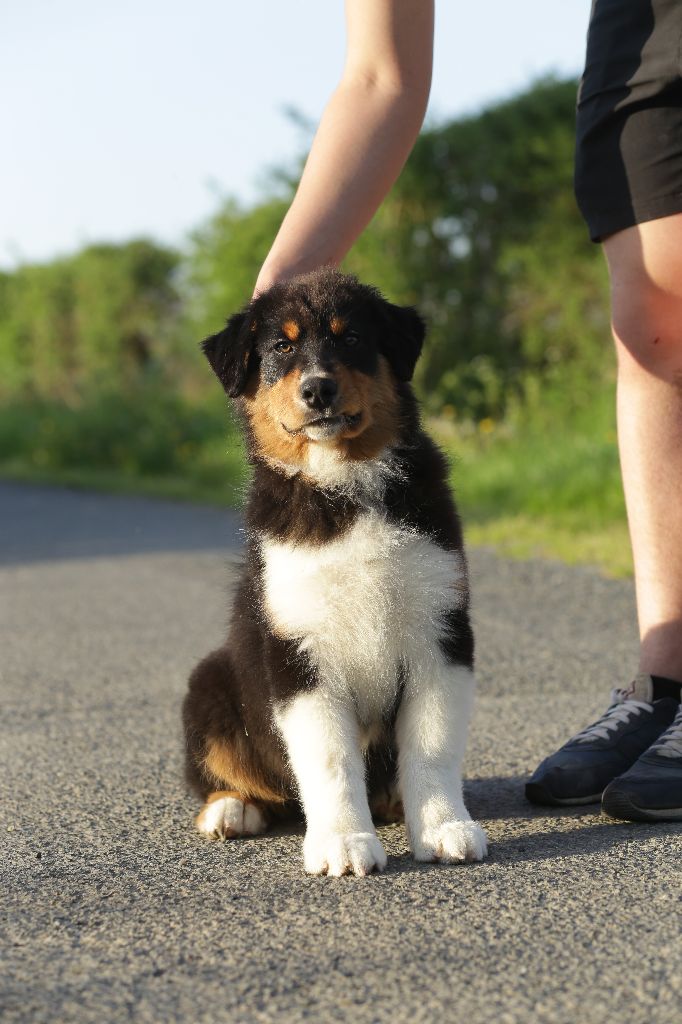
(401, 338)
(230, 350)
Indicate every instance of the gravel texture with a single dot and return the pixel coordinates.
(115, 909)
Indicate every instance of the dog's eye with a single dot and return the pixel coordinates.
(351, 338)
(285, 347)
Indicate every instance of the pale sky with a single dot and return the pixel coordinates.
(135, 117)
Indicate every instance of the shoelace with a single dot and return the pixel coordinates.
(669, 744)
(620, 711)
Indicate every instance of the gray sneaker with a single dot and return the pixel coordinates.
(652, 789)
(580, 771)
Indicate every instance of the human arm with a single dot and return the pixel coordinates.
(364, 137)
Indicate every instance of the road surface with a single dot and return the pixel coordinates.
(116, 910)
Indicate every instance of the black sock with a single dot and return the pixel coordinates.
(666, 688)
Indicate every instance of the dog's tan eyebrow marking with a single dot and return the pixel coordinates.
(291, 330)
(337, 324)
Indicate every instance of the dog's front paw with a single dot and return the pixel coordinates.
(227, 815)
(336, 854)
(452, 842)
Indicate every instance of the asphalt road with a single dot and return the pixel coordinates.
(116, 910)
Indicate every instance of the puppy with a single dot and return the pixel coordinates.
(345, 684)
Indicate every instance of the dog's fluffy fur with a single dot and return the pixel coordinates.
(345, 684)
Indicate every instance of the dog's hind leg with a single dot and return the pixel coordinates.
(385, 801)
(234, 765)
(227, 815)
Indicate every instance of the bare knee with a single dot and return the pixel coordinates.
(645, 265)
(648, 338)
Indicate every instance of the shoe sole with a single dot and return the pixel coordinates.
(619, 805)
(537, 794)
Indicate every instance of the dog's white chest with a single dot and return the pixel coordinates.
(361, 605)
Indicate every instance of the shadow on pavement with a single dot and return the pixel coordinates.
(552, 844)
(503, 797)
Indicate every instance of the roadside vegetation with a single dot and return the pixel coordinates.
(103, 385)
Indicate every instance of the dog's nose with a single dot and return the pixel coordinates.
(318, 392)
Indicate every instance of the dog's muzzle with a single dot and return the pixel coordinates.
(319, 392)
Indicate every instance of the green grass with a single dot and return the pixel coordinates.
(544, 483)
(142, 442)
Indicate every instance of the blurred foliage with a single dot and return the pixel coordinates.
(223, 261)
(144, 432)
(482, 232)
(104, 317)
(99, 351)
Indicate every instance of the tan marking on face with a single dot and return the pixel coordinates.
(337, 324)
(379, 426)
(372, 395)
(269, 408)
(291, 330)
(354, 390)
(229, 764)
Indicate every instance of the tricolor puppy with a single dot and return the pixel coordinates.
(345, 684)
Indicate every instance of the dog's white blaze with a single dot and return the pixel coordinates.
(363, 604)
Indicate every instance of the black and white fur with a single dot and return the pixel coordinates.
(346, 682)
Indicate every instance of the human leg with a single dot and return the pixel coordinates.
(645, 265)
(628, 181)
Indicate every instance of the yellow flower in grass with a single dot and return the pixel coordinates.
(487, 425)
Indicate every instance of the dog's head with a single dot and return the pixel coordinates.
(319, 359)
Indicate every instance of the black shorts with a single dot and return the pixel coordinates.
(628, 166)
